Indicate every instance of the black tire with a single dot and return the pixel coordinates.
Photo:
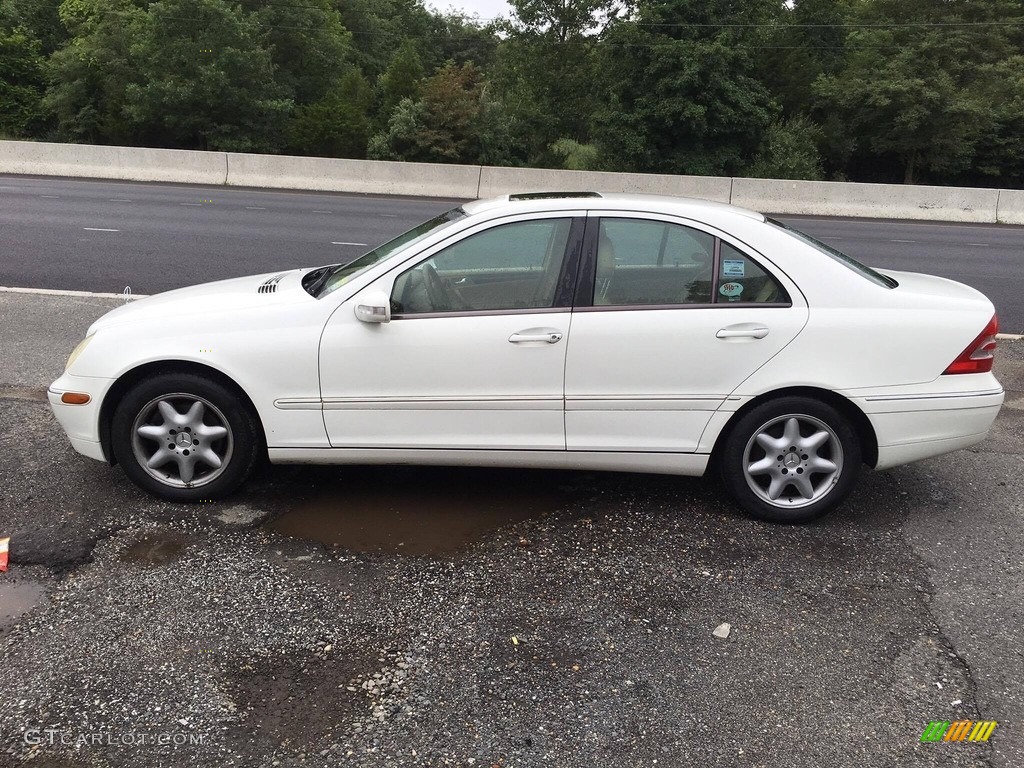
(223, 410)
(784, 471)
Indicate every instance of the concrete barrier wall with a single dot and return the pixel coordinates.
(503, 181)
(888, 201)
(1010, 207)
(364, 176)
(817, 198)
(125, 163)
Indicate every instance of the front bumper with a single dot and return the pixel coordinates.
(81, 422)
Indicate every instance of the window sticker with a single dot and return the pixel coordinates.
(733, 267)
(731, 290)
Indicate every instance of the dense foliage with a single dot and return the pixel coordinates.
(920, 91)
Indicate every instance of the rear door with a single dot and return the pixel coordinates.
(670, 318)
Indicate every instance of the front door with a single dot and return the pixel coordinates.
(474, 355)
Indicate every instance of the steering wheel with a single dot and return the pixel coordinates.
(443, 295)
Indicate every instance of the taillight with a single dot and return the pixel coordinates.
(980, 353)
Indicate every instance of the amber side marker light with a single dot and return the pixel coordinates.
(75, 398)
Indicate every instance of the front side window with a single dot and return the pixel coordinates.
(510, 266)
(325, 280)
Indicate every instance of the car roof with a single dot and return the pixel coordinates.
(692, 208)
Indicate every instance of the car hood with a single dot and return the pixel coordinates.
(241, 293)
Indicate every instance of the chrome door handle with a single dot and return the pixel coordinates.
(551, 337)
(758, 332)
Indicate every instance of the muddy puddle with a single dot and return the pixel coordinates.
(156, 549)
(16, 599)
(421, 510)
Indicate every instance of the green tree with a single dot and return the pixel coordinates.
(400, 81)
(38, 18)
(682, 92)
(309, 45)
(453, 122)
(546, 71)
(21, 83)
(206, 79)
(913, 85)
(789, 151)
(576, 156)
(90, 75)
(338, 125)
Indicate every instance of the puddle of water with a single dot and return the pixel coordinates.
(156, 549)
(421, 510)
(17, 598)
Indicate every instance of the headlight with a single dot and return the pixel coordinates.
(78, 351)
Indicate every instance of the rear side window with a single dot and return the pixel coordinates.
(740, 278)
(643, 262)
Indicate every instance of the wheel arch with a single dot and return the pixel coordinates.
(858, 419)
(130, 378)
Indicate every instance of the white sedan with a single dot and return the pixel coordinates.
(574, 331)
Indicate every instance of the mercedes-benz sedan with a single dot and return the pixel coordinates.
(575, 331)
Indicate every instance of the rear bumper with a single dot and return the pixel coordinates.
(919, 427)
(80, 422)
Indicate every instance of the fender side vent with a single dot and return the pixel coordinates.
(270, 285)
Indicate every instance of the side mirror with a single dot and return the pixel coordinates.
(373, 307)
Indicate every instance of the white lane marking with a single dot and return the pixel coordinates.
(100, 229)
(254, 208)
(390, 215)
(53, 292)
(51, 197)
(979, 245)
(903, 241)
(1010, 336)
(336, 242)
(119, 200)
(323, 211)
(197, 205)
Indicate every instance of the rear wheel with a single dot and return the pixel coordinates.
(791, 460)
(184, 437)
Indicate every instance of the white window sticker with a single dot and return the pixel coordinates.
(733, 267)
(731, 290)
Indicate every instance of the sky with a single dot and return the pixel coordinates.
(485, 9)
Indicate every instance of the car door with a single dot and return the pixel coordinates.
(473, 356)
(670, 319)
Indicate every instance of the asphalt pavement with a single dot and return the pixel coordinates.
(101, 236)
(428, 617)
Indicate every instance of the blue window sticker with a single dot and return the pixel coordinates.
(733, 268)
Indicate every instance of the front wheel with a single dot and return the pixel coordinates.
(790, 460)
(184, 437)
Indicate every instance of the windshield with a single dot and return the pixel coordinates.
(842, 258)
(322, 281)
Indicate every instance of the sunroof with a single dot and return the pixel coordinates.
(551, 195)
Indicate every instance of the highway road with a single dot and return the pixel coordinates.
(101, 236)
